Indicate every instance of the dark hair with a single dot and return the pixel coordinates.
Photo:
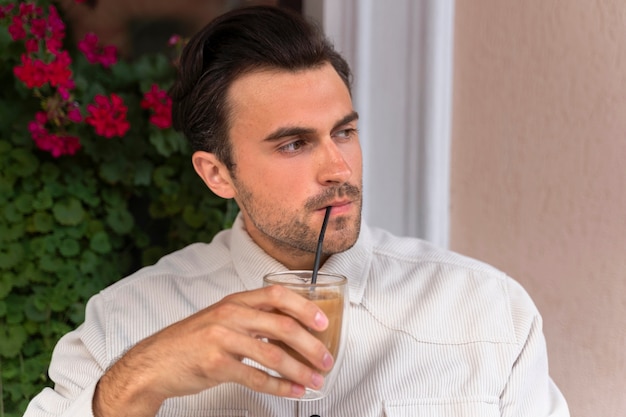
(234, 44)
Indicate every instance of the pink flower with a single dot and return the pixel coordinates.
(16, 29)
(161, 105)
(174, 40)
(32, 72)
(32, 45)
(108, 116)
(29, 10)
(96, 54)
(57, 145)
(53, 45)
(55, 23)
(89, 46)
(38, 28)
(108, 56)
(5, 10)
(59, 72)
(74, 115)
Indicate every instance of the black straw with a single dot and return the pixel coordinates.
(318, 252)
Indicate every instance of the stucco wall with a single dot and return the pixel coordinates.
(538, 181)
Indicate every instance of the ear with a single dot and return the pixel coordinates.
(214, 173)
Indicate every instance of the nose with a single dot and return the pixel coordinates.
(333, 169)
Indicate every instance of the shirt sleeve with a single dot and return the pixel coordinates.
(78, 361)
(530, 391)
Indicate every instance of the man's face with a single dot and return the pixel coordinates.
(296, 151)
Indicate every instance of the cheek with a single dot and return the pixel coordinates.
(355, 159)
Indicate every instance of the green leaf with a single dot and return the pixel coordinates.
(69, 212)
(167, 142)
(12, 214)
(122, 72)
(28, 274)
(89, 262)
(33, 313)
(112, 197)
(6, 284)
(143, 172)
(42, 222)
(120, 220)
(5, 147)
(13, 232)
(50, 263)
(69, 248)
(162, 179)
(112, 171)
(49, 172)
(12, 339)
(78, 231)
(43, 200)
(24, 163)
(194, 218)
(7, 182)
(100, 243)
(11, 255)
(24, 203)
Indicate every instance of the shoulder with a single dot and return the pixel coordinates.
(387, 247)
(160, 294)
(192, 261)
(443, 296)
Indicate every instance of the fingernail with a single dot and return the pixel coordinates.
(317, 380)
(327, 360)
(321, 320)
(297, 390)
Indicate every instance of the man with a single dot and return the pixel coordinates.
(265, 101)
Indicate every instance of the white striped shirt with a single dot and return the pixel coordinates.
(431, 333)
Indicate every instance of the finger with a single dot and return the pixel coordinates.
(260, 381)
(275, 358)
(275, 326)
(285, 330)
(287, 301)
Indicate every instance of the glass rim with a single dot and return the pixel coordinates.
(337, 279)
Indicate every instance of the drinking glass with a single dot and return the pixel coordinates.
(330, 293)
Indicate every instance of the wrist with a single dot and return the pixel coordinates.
(126, 391)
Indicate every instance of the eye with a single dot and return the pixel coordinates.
(345, 133)
(293, 146)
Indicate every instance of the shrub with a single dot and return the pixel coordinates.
(94, 183)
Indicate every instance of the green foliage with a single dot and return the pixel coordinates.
(69, 226)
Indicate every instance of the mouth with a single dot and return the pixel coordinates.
(337, 207)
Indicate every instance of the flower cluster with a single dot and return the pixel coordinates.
(32, 27)
(96, 53)
(46, 68)
(108, 116)
(160, 103)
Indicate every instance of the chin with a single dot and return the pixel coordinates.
(343, 242)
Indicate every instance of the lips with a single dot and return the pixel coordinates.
(338, 207)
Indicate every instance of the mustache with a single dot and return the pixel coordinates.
(329, 194)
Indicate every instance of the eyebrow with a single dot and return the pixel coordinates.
(287, 131)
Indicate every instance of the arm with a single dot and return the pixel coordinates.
(197, 353)
(530, 391)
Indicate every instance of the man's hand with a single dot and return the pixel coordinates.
(207, 348)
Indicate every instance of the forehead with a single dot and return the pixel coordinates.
(271, 97)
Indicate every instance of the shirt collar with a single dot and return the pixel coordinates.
(252, 263)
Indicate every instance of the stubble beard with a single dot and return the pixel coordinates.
(292, 232)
